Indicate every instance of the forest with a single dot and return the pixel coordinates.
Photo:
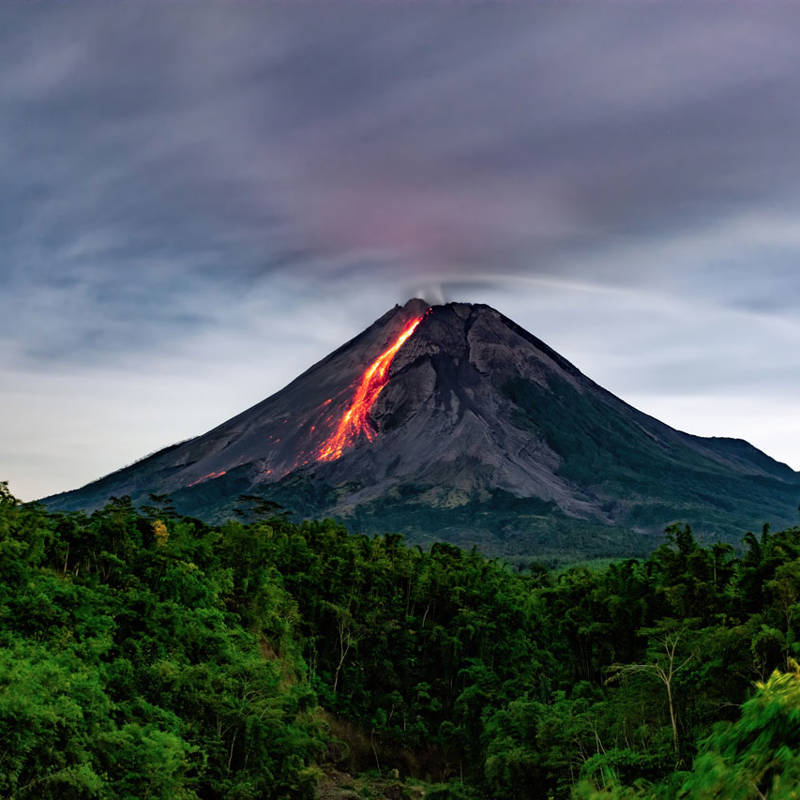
(144, 654)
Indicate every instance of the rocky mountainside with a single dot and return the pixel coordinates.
(453, 423)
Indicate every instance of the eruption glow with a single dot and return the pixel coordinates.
(355, 420)
(210, 476)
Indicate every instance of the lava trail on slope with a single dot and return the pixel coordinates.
(355, 421)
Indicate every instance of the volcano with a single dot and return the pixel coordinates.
(452, 423)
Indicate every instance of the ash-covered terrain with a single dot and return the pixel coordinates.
(453, 423)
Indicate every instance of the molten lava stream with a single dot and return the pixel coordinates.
(210, 476)
(354, 421)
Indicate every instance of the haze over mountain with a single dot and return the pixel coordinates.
(453, 423)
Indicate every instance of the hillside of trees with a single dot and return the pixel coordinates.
(148, 655)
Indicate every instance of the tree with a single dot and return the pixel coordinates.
(758, 756)
(665, 665)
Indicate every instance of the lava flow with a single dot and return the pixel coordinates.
(210, 476)
(355, 420)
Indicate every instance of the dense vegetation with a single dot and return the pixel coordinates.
(143, 654)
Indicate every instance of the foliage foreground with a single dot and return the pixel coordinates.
(147, 655)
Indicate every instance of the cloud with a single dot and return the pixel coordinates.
(209, 187)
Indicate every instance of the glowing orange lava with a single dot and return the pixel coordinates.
(210, 476)
(355, 419)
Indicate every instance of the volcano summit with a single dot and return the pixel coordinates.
(453, 423)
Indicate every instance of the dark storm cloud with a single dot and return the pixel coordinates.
(175, 172)
(208, 140)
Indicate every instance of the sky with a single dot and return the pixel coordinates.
(200, 200)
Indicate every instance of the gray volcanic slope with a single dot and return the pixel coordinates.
(482, 435)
